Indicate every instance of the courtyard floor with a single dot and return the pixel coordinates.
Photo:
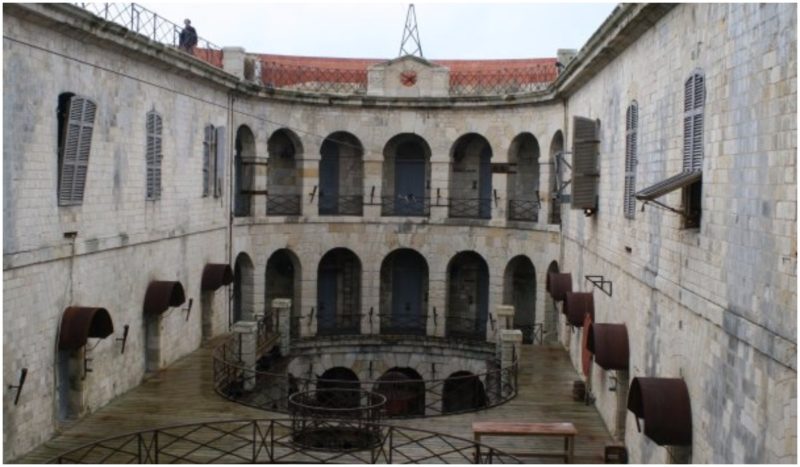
(183, 393)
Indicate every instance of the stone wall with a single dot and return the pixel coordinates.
(715, 305)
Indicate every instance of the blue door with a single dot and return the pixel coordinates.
(326, 301)
(329, 179)
(409, 186)
(407, 295)
(485, 184)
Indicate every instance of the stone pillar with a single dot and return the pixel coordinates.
(247, 336)
(440, 175)
(282, 322)
(233, 61)
(373, 189)
(308, 168)
(503, 316)
(510, 344)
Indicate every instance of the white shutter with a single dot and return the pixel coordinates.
(631, 136)
(219, 162)
(584, 163)
(76, 149)
(154, 155)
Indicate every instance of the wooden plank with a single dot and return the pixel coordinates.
(523, 429)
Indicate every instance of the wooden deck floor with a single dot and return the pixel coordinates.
(183, 393)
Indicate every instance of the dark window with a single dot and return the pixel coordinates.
(76, 117)
(631, 147)
(693, 113)
(153, 156)
(209, 152)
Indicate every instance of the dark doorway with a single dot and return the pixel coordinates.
(467, 296)
(339, 293)
(338, 388)
(242, 288)
(404, 290)
(550, 311)
(519, 290)
(341, 175)
(404, 390)
(406, 175)
(329, 178)
(244, 177)
(283, 281)
(471, 178)
(556, 177)
(463, 391)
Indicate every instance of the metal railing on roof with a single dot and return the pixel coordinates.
(142, 21)
(533, 78)
(313, 79)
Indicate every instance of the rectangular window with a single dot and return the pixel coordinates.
(209, 158)
(153, 156)
(76, 116)
(631, 136)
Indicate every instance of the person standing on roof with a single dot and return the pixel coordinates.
(188, 37)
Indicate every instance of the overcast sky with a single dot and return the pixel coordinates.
(370, 30)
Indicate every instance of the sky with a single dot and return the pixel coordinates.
(374, 30)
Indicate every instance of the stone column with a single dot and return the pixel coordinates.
(510, 344)
(282, 322)
(503, 316)
(308, 168)
(440, 175)
(247, 336)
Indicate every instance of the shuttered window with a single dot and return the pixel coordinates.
(631, 153)
(78, 125)
(219, 161)
(209, 158)
(694, 99)
(585, 172)
(153, 156)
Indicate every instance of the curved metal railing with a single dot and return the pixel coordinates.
(269, 388)
(271, 441)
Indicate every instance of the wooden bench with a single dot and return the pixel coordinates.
(565, 430)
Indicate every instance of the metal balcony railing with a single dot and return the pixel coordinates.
(523, 210)
(284, 205)
(342, 324)
(313, 79)
(458, 327)
(477, 208)
(404, 325)
(272, 442)
(401, 205)
(533, 78)
(340, 205)
(142, 21)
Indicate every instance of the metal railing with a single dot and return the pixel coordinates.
(405, 206)
(458, 327)
(523, 210)
(341, 324)
(437, 396)
(478, 208)
(271, 441)
(284, 205)
(404, 325)
(502, 82)
(142, 21)
(313, 79)
(340, 205)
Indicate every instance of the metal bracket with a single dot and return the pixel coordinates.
(601, 282)
(312, 194)
(371, 311)
(559, 157)
(124, 338)
(310, 317)
(491, 321)
(496, 200)
(188, 309)
(434, 318)
(22, 375)
(663, 206)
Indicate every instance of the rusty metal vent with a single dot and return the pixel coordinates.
(215, 276)
(609, 344)
(560, 284)
(79, 323)
(161, 295)
(577, 305)
(664, 405)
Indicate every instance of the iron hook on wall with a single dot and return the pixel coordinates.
(22, 375)
(188, 309)
(124, 338)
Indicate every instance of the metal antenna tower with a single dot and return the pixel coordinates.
(410, 45)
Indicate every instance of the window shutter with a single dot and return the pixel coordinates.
(631, 135)
(584, 161)
(209, 132)
(75, 155)
(693, 106)
(219, 162)
(159, 156)
(688, 106)
(154, 155)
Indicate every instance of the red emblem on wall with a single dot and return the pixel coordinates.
(408, 78)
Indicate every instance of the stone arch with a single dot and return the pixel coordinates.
(404, 293)
(341, 175)
(337, 387)
(339, 293)
(283, 279)
(556, 174)
(467, 296)
(242, 288)
(404, 390)
(523, 183)
(284, 179)
(471, 177)
(550, 310)
(244, 171)
(463, 391)
(406, 176)
(519, 290)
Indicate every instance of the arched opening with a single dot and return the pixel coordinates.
(244, 173)
(471, 178)
(406, 176)
(341, 175)
(282, 280)
(550, 310)
(404, 293)
(463, 391)
(467, 296)
(404, 390)
(242, 288)
(284, 181)
(523, 184)
(519, 290)
(556, 177)
(338, 388)
(339, 293)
